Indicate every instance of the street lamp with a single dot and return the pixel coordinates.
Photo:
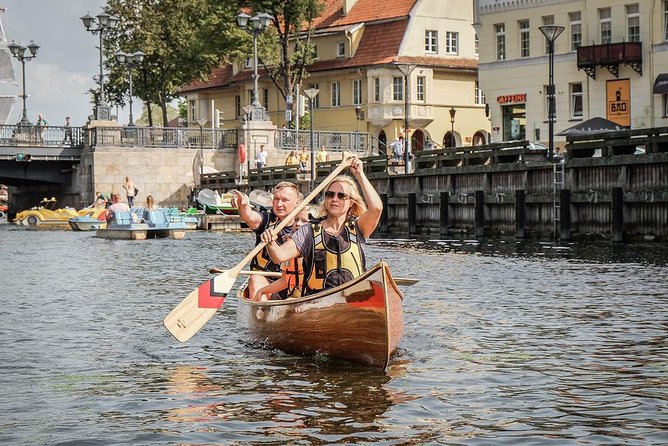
(257, 24)
(104, 22)
(551, 32)
(311, 93)
(19, 52)
(453, 110)
(129, 60)
(406, 70)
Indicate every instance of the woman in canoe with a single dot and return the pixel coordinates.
(333, 247)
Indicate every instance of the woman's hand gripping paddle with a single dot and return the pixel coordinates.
(188, 317)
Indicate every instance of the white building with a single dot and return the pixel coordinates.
(611, 61)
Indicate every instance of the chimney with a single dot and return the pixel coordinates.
(348, 5)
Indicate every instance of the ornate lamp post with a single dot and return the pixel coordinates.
(19, 52)
(453, 111)
(104, 22)
(129, 60)
(257, 24)
(551, 32)
(406, 70)
(311, 93)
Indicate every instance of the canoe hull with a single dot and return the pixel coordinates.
(361, 321)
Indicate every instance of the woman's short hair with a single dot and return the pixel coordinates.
(357, 206)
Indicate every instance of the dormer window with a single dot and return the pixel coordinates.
(340, 49)
(248, 62)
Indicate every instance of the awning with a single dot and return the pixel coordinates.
(661, 83)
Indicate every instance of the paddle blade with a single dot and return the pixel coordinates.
(188, 317)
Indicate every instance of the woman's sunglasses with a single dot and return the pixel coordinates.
(340, 195)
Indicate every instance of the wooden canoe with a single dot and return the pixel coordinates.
(360, 321)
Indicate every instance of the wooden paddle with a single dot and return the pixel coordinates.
(397, 280)
(188, 317)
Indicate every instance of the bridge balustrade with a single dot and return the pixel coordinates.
(41, 136)
(165, 137)
(356, 142)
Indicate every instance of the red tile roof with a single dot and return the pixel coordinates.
(363, 11)
(379, 44)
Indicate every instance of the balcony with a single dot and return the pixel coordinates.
(382, 114)
(610, 56)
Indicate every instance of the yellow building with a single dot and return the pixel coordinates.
(608, 62)
(362, 46)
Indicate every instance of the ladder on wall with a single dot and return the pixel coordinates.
(558, 184)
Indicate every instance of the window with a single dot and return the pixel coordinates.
(316, 100)
(665, 19)
(479, 95)
(357, 91)
(605, 21)
(523, 25)
(576, 29)
(633, 22)
(315, 51)
(376, 89)
(500, 41)
(336, 94)
(398, 88)
(576, 100)
(431, 41)
(451, 42)
(340, 49)
(191, 105)
(419, 93)
(548, 20)
(237, 105)
(265, 98)
(248, 62)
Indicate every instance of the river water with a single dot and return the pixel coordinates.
(505, 343)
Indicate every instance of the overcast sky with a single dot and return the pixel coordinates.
(59, 77)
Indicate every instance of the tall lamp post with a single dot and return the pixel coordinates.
(311, 93)
(104, 22)
(258, 23)
(406, 70)
(358, 118)
(129, 60)
(551, 32)
(19, 52)
(453, 111)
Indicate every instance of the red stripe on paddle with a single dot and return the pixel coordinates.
(207, 299)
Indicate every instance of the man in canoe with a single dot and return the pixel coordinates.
(286, 198)
(333, 247)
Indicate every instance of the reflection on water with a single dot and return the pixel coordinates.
(505, 343)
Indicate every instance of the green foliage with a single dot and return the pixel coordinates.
(183, 41)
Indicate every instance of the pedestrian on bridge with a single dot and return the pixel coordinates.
(40, 127)
(68, 131)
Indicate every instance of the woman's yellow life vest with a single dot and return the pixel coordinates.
(336, 259)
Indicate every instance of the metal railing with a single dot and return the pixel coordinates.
(356, 142)
(165, 137)
(41, 136)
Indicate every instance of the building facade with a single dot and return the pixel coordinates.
(363, 50)
(609, 62)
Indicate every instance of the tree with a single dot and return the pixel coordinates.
(183, 41)
(285, 50)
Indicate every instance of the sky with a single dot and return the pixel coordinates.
(57, 80)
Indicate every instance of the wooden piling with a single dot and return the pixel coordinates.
(520, 214)
(412, 213)
(479, 213)
(444, 222)
(565, 214)
(384, 216)
(617, 214)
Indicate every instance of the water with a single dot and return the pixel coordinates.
(505, 343)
